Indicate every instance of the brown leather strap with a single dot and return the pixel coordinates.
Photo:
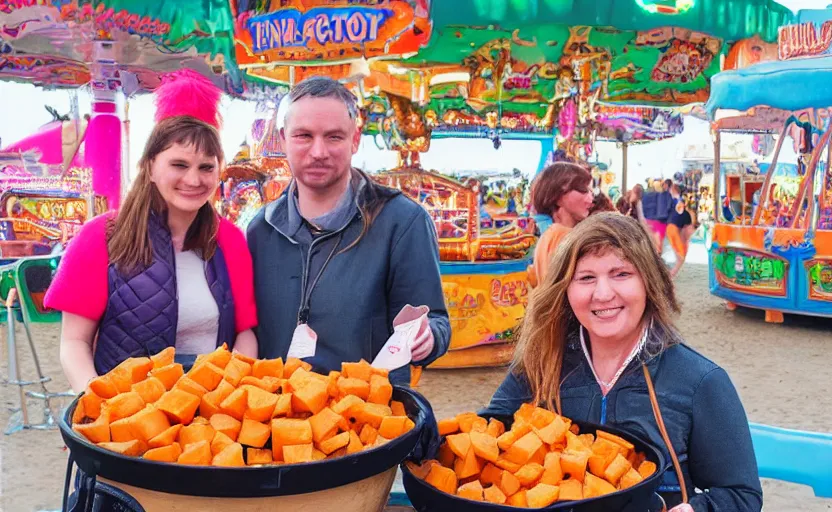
(657, 413)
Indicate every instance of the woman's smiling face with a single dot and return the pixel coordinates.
(608, 297)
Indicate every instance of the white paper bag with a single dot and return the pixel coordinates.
(304, 342)
(397, 351)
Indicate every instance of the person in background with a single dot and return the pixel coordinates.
(658, 204)
(601, 203)
(562, 191)
(679, 229)
(165, 270)
(598, 344)
(339, 260)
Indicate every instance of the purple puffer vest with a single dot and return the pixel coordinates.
(142, 309)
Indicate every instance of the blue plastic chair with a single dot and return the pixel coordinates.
(794, 456)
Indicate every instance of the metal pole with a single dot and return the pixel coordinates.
(717, 173)
(624, 147)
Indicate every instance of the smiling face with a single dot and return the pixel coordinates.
(186, 178)
(608, 297)
(320, 138)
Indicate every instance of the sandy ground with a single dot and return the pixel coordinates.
(781, 372)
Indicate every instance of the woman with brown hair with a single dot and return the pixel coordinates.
(165, 270)
(564, 192)
(598, 344)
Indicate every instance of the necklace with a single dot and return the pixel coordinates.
(607, 385)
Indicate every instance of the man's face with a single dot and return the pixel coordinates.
(319, 139)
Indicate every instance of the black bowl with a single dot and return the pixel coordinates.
(427, 498)
(252, 482)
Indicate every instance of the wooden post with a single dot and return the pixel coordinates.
(717, 173)
(624, 147)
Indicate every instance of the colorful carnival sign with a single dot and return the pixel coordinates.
(328, 32)
(805, 40)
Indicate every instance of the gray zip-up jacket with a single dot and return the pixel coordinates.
(352, 303)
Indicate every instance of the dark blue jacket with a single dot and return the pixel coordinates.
(360, 291)
(664, 206)
(649, 204)
(702, 412)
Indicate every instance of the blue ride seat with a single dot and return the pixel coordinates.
(794, 456)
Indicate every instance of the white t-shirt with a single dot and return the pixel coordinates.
(196, 329)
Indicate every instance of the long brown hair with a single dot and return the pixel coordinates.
(373, 199)
(556, 181)
(550, 322)
(128, 243)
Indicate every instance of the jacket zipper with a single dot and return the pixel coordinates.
(603, 409)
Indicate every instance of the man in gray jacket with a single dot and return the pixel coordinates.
(338, 259)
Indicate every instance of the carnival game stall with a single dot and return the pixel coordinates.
(777, 256)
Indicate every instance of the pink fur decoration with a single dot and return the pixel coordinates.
(187, 93)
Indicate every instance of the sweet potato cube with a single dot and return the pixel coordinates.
(191, 386)
(542, 417)
(523, 449)
(297, 454)
(149, 423)
(360, 370)
(495, 428)
(96, 432)
(335, 443)
(255, 456)
(260, 404)
(368, 435)
(230, 456)
(267, 368)
(344, 405)
(124, 405)
(448, 426)
(491, 474)
(468, 466)
(381, 391)
(78, 414)
(372, 414)
(529, 474)
(103, 386)
(647, 468)
(324, 424)
(574, 443)
(253, 433)
(284, 405)
(293, 364)
(136, 368)
(509, 466)
(269, 384)
(163, 358)
(509, 483)
(226, 424)
(460, 444)
(594, 487)
(289, 431)
(574, 464)
(223, 389)
(195, 433)
(542, 495)
(236, 370)
(121, 431)
(357, 387)
(235, 404)
(493, 494)
(169, 374)
(442, 478)
(445, 456)
(392, 426)
(310, 398)
(332, 384)
(485, 446)
(169, 453)
(571, 490)
(132, 448)
(91, 403)
(397, 408)
(355, 445)
(510, 437)
(617, 468)
(420, 471)
(244, 358)
(630, 478)
(603, 453)
(628, 446)
(219, 357)
(207, 374)
(466, 421)
(518, 500)
(196, 454)
(207, 407)
(552, 472)
(166, 437)
(219, 442)
(179, 406)
(554, 432)
(471, 491)
(150, 389)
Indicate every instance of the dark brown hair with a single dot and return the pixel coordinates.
(601, 203)
(373, 198)
(554, 182)
(128, 243)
